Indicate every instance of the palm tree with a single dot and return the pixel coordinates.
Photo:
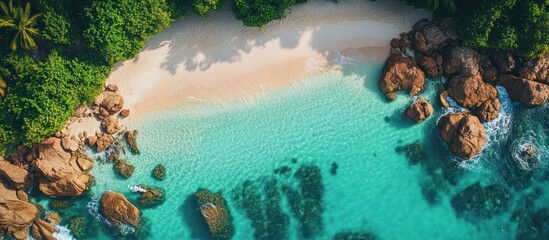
(3, 87)
(21, 21)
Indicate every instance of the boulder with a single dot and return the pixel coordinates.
(213, 208)
(131, 138)
(443, 101)
(503, 61)
(463, 132)
(43, 230)
(151, 197)
(70, 144)
(537, 70)
(401, 73)
(15, 175)
(429, 38)
(118, 210)
(91, 141)
(419, 110)
(461, 60)
(125, 113)
(53, 161)
(111, 88)
(110, 125)
(72, 185)
(104, 142)
(112, 102)
(15, 215)
(80, 110)
(474, 94)
(429, 65)
(525, 91)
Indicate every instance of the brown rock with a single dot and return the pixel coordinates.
(525, 91)
(16, 175)
(15, 215)
(43, 230)
(74, 184)
(131, 138)
(442, 97)
(463, 133)
(428, 65)
(419, 110)
(118, 210)
(537, 70)
(110, 125)
(84, 162)
(394, 43)
(489, 73)
(430, 38)
(69, 144)
(471, 92)
(80, 110)
(461, 60)
(91, 141)
(420, 25)
(53, 218)
(125, 113)
(112, 102)
(53, 162)
(504, 62)
(104, 142)
(401, 73)
(112, 88)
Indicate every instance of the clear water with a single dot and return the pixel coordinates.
(337, 116)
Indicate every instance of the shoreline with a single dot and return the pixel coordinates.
(218, 59)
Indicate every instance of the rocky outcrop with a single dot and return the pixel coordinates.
(431, 65)
(159, 172)
(213, 208)
(463, 132)
(61, 173)
(43, 230)
(504, 62)
(108, 102)
(131, 138)
(151, 197)
(16, 213)
(537, 70)
(474, 94)
(109, 125)
(118, 210)
(522, 90)
(16, 175)
(103, 142)
(401, 73)
(429, 38)
(419, 110)
(69, 144)
(461, 60)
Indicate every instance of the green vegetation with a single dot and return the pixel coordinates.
(21, 22)
(203, 7)
(257, 13)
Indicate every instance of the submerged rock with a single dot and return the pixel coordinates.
(152, 197)
(215, 211)
(333, 169)
(60, 204)
(123, 168)
(536, 226)
(118, 210)
(477, 201)
(131, 138)
(419, 110)
(355, 236)
(415, 152)
(401, 73)
(159, 172)
(83, 228)
(476, 95)
(463, 133)
(525, 91)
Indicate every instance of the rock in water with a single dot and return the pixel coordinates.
(131, 138)
(355, 236)
(419, 110)
(152, 197)
(104, 142)
(477, 201)
(215, 211)
(401, 73)
(159, 172)
(123, 168)
(463, 133)
(476, 95)
(525, 91)
(118, 210)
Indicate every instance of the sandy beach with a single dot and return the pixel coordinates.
(217, 58)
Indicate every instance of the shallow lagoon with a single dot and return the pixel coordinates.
(341, 117)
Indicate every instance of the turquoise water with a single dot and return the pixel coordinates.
(341, 117)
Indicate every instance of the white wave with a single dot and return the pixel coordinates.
(335, 59)
(62, 233)
(137, 188)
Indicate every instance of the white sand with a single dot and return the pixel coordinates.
(217, 58)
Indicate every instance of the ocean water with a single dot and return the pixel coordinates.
(384, 184)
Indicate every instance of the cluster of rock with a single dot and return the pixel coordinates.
(431, 50)
(215, 211)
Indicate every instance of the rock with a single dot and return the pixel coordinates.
(463, 133)
(118, 210)
(428, 65)
(112, 102)
(476, 95)
(420, 42)
(430, 38)
(72, 185)
(103, 113)
(104, 142)
(489, 73)
(159, 172)
(43, 230)
(418, 27)
(60, 204)
(53, 218)
(461, 60)
(91, 141)
(131, 138)
(69, 144)
(395, 52)
(83, 228)
(442, 97)
(80, 110)
(213, 208)
(15, 215)
(419, 110)
(15, 175)
(479, 202)
(125, 113)
(53, 161)
(537, 70)
(448, 27)
(110, 125)
(401, 73)
(112, 88)
(123, 168)
(525, 91)
(394, 43)
(84, 162)
(152, 197)
(504, 62)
